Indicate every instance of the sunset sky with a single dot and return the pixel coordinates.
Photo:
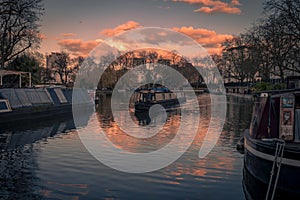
(78, 26)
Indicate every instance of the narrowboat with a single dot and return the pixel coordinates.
(272, 146)
(35, 103)
(145, 98)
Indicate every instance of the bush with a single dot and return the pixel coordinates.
(279, 86)
(261, 86)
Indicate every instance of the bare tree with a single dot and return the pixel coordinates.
(126, 60)
(152, 56)
(289, 13)
(261, 43)
(280, 44)
(19, 28)
(66, 67)
(175, 57)
(238, 57)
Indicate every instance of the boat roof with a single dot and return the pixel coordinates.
(276, 92)
(152, 90)
(279, 95)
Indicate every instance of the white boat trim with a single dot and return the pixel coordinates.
(7, 104)
(285, 161)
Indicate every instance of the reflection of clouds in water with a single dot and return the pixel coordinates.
(141, 145)
(168, 40)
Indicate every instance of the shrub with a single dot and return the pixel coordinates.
(261, 86)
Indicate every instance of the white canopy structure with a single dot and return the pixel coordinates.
(8, 72)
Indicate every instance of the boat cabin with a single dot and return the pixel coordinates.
(144, 99)
(151, 96)
(277, 115)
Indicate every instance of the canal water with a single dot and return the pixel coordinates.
(45, 159)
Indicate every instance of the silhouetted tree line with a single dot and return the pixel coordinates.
(269, 47)
(130, 60)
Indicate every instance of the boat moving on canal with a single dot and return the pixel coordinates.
(272, 145)
(145, 98)
(34, 103)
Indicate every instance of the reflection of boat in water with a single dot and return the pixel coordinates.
(143, 118)
(19, 145)
(13, 135)
(272, 146)
(146, 98)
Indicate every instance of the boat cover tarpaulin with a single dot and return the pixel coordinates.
(26, 97)
(38, 96)
(12, 97)
(22, 96)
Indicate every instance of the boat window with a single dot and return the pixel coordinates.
(149, 97)
(144, 97)
(287, 102)
(167, 96)
(4, 106)
(159, 96)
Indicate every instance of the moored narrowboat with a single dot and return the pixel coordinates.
(272, 145)
(35, 103)
(145, 98)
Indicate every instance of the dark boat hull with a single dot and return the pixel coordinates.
(258, 162)
(42, 112)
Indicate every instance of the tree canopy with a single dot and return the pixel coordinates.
(19, 27)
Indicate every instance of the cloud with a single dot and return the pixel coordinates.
(207, 38)
(77, 47)
(164, 7)
(220, 9)
(42, 36)
(121, 28)
(215, 6)
(68, 34)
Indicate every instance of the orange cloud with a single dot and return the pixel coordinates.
(77, 47)
(121, 28)
(207, 38)
(42, 36)
(68, 34)
(215, 6)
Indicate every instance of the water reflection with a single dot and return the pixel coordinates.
(48, 161)
(18, 156)
(238, 118)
